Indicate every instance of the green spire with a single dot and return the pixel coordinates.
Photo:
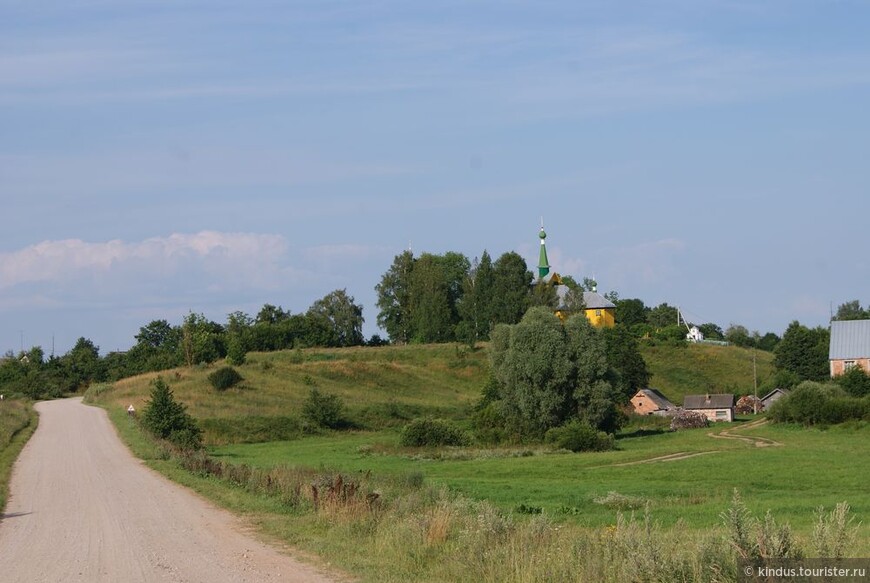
(543, 264)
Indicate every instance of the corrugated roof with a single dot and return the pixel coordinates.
(849, 339)
(708, 401)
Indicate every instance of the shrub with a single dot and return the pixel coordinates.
(432, 432)
(689, 420)
(224, 378)
(168, 419)
(236, 353)
(579, 436)
(855, 382)
(323, 409)
(813, 403)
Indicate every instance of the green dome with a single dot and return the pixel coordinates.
(542, 234)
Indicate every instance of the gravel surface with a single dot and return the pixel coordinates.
(82, 508)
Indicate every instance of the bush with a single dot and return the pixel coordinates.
(579, 436)
(689, 420)
(813, 403)
(855, 382)
(166, 418)
(224, 378)
(323, 410)
(433, 432)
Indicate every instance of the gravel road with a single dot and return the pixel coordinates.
(82, 508)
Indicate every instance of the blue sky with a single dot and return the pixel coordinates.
(162, 157)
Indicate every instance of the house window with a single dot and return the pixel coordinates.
(598, 313)
(721, 414)
(848, 364)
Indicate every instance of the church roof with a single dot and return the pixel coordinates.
(596, 301)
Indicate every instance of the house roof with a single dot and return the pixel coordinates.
(773, 392)
(595, 301)
(708, 401)
(849, 339)
(656, 397)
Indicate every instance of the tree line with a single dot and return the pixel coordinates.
(332, 321)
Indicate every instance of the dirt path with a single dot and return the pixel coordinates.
(82, 508)
(750, 439)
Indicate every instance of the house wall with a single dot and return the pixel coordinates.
(717, 414)
(838, 367)
(601, 317)
(643, 405)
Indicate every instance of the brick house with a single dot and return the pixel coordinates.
(651, 402)
(850, 346)
(714, 407)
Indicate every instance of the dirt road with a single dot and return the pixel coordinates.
(82, 508)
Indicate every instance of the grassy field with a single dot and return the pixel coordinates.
(810, 468)
(17, 422)
(504, 514)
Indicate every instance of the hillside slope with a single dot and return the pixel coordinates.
(705, 368)
(390, 385)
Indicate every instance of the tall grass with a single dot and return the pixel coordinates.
(399, 529)
(17, 422)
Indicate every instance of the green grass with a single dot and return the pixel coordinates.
(467, 521)
(812, 468)
(379, 386)
(18, 421)
(704, 368)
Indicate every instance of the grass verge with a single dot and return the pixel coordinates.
(18, 421)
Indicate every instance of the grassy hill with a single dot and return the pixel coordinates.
(387, 386)
(705, 368)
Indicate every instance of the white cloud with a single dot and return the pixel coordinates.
(224, 256)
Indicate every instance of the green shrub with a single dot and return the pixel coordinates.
(224, 378)
(323, 409)
(855, 382)
(579, 436)
(168, 419)
(433, 432)
(813, 403)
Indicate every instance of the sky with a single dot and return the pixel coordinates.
(163, 157)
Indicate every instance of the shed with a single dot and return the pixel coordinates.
(651, 402)
(714, 407)
(772, 397)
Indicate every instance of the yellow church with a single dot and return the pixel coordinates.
(600, 311)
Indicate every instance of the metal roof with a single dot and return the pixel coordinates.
(595, 301)
(656, 397)
(708, 401)
(849, 339)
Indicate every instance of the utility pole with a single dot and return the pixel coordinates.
(755, 381)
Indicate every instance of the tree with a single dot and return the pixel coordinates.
(343, 315)
(394, 298)
(630, 311)
(574, 302)
(270, 314)
(431, 314)
(662, 315)
(712, 331)
(475, 309)
(511, 296)
(544, 294)
(83, 364)
(168, 419)
(548, 373)
(768, 342)
(852, 311)
(739, 335)
(804, 352)
(625, 358)
(855, 381)
(201, 340)
(531, 362)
